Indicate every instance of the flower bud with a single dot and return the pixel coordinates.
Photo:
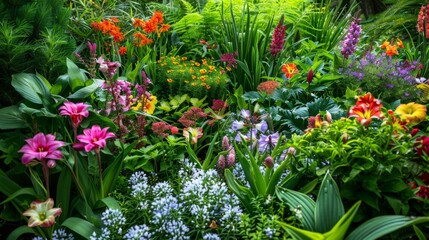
(230, 159)
(310, 76)
(225, 143)
(345, 137)
(174, 130)
(269, 163)
(291, 151)
(51, 163)
(328, 117)
(221, 162)
(414, 132)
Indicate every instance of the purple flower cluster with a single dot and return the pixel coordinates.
(352, 38)
(278, 39)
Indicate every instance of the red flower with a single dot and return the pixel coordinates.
(278, 39)
(425, 178)
(122, 51)
(365, 114)
(422, 145)
(76, 111)
(423, 192)
(289, 69)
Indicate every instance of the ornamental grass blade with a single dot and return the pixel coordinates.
(383, 225)
(297, 200)
(329, 207)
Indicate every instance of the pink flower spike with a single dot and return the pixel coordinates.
(42, 213)
(41, 147)
(95, 138)
(76, 111)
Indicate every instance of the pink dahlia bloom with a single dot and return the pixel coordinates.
(41, 147)
(94, 138)
(76, 111)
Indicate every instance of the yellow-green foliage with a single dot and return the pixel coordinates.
(178, 75)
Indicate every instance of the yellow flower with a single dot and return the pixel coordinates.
(150, 104)
(413, 112)
(169, 80)
(203, 71)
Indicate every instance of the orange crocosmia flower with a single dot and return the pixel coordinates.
(137, 22)
(157, 17)
(164, 28)
(150, 26)
(141, 39)
(289, 69)
(399, 43)
(114, 19)
(122, 51)
(391, 50)
(364, 114)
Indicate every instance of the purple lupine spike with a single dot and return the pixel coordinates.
(352, 38)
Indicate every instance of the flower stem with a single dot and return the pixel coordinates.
(46, 174)
(100, 173)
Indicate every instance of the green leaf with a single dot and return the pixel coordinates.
(297, 200)
(16, 234)
(80, 226)
(382, 225)
(11, 118)
(76, 77)
(329, 208)
(341, 227)
(88, 90)
(63, 193)
(110, 202)
(112, 171)
(243, 193)
(419, 233)
(21, 191)
(31, 87)
(301, 234)
(209, 155)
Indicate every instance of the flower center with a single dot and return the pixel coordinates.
(42, 216)
(41, 149)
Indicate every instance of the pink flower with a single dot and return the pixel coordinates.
(278, 39)
(42, 213)
(94, 138)
(76, 111)
(41, 147)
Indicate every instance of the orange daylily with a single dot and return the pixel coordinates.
(289, 69)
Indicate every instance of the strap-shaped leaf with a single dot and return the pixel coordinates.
(340, 229)
(80, 226)
(243, 193)
(11, 118)
(16, 234)
(297, 200)
(329, 207)
(382, 225)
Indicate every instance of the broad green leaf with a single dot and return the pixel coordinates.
(11, 118)
(80, 226)
(301, 234)
(88, 90)
(297, 200)
(7, 186)
(16, 234)
(341, 227)
(110, 202)
(329, 208)
(31, 87)
(382, 225)
(76, 77)
(419, 233)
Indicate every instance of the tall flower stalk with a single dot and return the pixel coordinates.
(278, 39)
(352, 38)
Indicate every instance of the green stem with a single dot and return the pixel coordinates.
(46, 174)
(100, 173)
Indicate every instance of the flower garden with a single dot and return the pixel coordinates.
(212, 119)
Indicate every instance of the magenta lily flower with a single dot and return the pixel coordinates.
(94, 138)
(76, 111)
(42, 214)
(41, 147)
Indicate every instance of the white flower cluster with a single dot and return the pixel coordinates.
(59, 234)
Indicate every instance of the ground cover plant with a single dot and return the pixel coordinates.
(213, 119)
